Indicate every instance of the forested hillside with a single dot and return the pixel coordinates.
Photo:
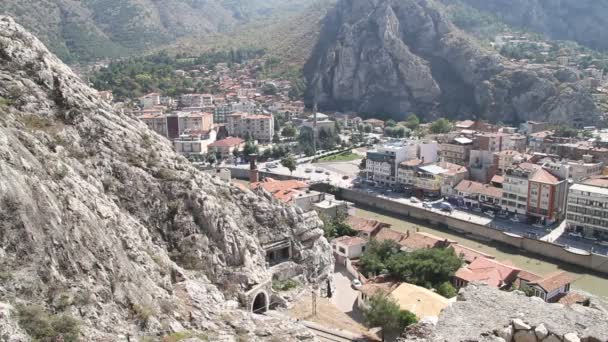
(90, 29)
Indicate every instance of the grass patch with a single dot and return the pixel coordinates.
(37, 122)
(42, 326)
(284, 285)
(5, 102)
(344, 156)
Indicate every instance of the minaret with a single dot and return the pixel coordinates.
(314, 128)
(254, 175)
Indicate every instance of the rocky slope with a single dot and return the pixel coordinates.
(102, 221)
(403, 56)
(485, 314)
(583, 21)
(82, 30)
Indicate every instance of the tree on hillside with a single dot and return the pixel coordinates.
(412, 121)
(269, 89)
(367, 128)
(290, 163)
(390, 123)
(383, 311)
(441, 126)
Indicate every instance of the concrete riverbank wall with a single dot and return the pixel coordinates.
(593, 262)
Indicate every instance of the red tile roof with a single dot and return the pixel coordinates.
(350, 240)
(544, 176)
(554, 281)
(498, 179)
(361, 224)
(478, 188)
(489, 271)
(389, 234)
(228, 142)
(468, 254)
(273, 186)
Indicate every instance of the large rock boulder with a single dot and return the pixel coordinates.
(101, 220)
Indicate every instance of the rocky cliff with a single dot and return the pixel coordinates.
(390, 56)
(100, 220)
(485, 314)
(583, 21)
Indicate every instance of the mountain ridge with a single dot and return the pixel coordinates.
(400, 57)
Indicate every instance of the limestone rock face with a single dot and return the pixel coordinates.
(100, 219)
(401, 56)
(583, 21)
(483, 313)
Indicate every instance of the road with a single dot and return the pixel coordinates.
(345, 297)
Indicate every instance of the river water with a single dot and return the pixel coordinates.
(592, 283)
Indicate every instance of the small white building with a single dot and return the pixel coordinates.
(553, 286)
(348, 247)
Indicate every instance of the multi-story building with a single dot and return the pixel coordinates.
(506, 159)
(221, 112)
(515, 188)
(381, 164)
(150, 100)
(546, 196)
(428, 151)
(175, 124)
(323, 123)
(476, 195)
(493, 142)
(258, 127)
(588, 207)
(530, 127)
(519, 143)
(456, 152)
(481, 165)
(196, 100)
(194, 142)
(585, 168)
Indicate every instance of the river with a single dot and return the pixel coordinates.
(592, 283)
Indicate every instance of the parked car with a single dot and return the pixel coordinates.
(575, 235)
(345, 177)
(445, 206)
(514, 219)
(319, 171)
(414, 200)
(427, 205)
(308, 170)
(490, 213)
(272, 166)
(356, 284)
(477, 209)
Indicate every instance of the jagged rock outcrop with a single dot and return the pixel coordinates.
(101, 220)
(583, 21)
(400, 56)
(483, 313)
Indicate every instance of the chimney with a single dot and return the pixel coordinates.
(254, 175)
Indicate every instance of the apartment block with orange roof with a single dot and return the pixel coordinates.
(257, 126)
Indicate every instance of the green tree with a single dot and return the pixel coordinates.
(441, 126)
(412, 121)
(250, 148)
(429, 267)
(269, 89)
(276, 138)
(367, 128)
(373, 261)
(289, 131)
(383, 311)
(290, 163)
(390, 123)
(447, 290)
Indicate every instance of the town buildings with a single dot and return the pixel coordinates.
(256, 126)
(588, 208)
(226, 147)
(174, 124)
(456, 152)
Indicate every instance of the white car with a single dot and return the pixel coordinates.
(514, 219)
(356, 284)
(490, 213)
(414, 200)
(427, 205)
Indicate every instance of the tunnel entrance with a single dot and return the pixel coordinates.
(260, 303)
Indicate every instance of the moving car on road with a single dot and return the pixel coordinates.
(356, 284)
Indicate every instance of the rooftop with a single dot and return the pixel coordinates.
(361, 224)
(468, 186)
(489, 271)
(228, 142)
(543, 176)
(554, 281)
(420, 301)
(350, 241)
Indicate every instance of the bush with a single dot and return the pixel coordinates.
(42, 326)
(143, 313)
(383, 311)
(285, 285)
(447, 290)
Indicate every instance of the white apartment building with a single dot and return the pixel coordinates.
(585, 168)
(150, 100)
(428, 151)
(588, 208)
(258, 127)
(381, 164)
(515, 188)
(194, 143)
(196, 100)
